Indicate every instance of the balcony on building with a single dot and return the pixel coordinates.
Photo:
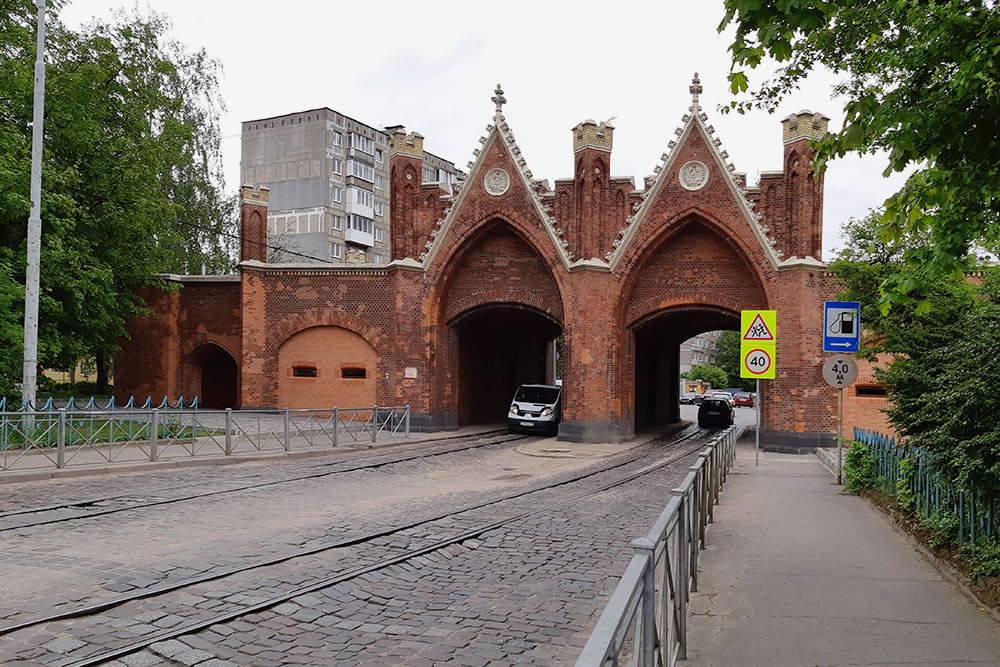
(358, 237)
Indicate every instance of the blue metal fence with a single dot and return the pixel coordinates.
(92, 404)
(92, 421)
(903, 468)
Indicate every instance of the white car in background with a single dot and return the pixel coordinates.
(726, 396)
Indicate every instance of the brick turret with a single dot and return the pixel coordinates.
(590, 220)
(408, 227)
(253, 223)
(793, 198)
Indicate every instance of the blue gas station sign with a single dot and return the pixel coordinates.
(841, 326)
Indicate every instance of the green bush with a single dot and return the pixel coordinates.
(942, 529)
(905, 496)
(859, 469)
(983, 557)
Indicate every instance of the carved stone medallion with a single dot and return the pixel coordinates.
(693, 175)
(496, 181)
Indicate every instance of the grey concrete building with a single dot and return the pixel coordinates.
(328, 179)
(698, 351)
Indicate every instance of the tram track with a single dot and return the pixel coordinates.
(90, 611)
(341, 467)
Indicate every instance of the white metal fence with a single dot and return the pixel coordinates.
(65, 438)
(645, 621)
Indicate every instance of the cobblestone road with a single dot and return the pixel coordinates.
(527, 592)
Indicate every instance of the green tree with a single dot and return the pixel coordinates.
(712, 375)
(131, 179)
(920, 80)
(942, 363)
(864, 265)
(727, 357)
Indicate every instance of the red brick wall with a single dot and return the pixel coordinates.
(792, 203)
(692, 250)
(501, 267)
(253, 223)
(694, 266)
(277, 305)
(162, 354)
(866, 412)
(209, 315)
(147, 363)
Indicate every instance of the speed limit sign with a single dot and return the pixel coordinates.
(758, 362)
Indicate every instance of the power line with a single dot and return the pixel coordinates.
(243, 239)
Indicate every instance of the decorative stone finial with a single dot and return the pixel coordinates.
(695, 89)
(499, 99)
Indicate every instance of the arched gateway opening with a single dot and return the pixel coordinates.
(216, 377)
(669, 305)
(657, 358)
(500, 347)
(502, 310)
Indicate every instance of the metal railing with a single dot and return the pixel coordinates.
(901, 467)
(91, 404)
(65, 438)
(645, 621)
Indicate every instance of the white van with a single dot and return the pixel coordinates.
(536, 408)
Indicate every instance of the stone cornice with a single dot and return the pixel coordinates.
(178, 278)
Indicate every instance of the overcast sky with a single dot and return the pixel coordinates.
(433, 67)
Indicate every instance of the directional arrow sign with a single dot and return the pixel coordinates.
(841, 326)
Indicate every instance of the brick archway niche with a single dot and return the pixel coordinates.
(501, 313)
(693, 279)
(212, 374)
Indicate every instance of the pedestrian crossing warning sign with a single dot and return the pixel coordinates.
(758, 325)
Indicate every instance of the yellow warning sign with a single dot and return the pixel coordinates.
(757, 360)
(758, 325)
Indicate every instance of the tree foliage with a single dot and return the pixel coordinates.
(727, 357)
(921, 80)
(941, 364)
(707, 373)
(131, 177)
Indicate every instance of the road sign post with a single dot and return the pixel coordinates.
(840, 371)
(758, 343)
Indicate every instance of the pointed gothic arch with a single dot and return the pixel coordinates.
(500, 309)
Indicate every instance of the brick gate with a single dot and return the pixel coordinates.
(487, 273)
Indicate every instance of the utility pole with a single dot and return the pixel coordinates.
(31, 275)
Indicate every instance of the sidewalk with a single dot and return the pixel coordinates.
(796, 574)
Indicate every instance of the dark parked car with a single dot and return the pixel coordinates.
(715, 413)
(690, 398)
(743, 398)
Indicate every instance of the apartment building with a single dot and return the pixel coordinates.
(699, 350)
(328, 179)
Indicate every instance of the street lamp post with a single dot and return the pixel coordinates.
(31, 276)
